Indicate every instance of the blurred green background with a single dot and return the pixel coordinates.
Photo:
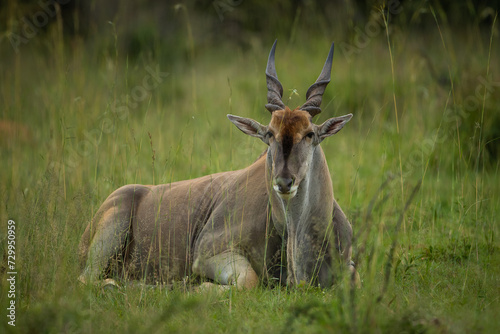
(95, 95)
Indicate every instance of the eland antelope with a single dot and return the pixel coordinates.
(277, 219)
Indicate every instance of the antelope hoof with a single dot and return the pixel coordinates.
(82, 280)
(110, 284)
(355, 279)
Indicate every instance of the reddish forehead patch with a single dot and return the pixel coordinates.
(290, 124)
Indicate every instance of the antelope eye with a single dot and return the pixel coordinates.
(269, 134)
(310, 135)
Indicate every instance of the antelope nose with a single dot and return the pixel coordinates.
(284, 184)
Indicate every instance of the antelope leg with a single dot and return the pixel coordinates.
(108, 240)
(228, 268)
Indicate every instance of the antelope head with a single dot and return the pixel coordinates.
(291, 135)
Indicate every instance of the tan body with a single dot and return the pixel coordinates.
(169, 227)
(276, 218)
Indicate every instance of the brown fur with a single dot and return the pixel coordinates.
(287, 123)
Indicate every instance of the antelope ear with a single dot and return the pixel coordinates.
(332, 126)
(249, 126)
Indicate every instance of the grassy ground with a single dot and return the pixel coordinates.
(78, 122)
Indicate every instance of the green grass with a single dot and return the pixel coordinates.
(64, 150)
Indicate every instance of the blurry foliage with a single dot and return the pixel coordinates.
(176, 32)
(147, 22)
